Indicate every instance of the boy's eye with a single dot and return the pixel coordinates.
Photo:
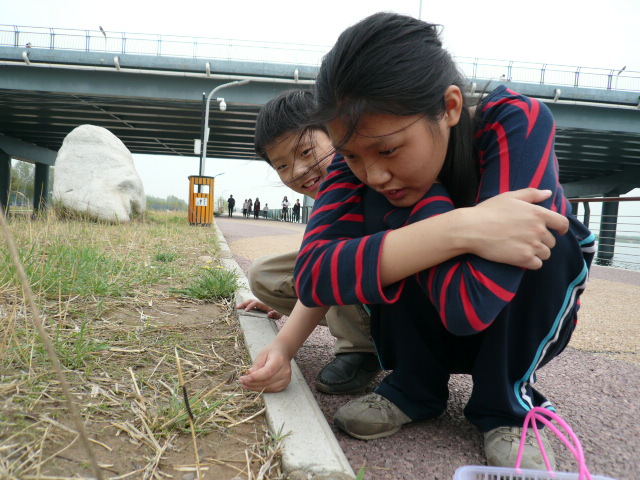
(388, 152)
(281, 167)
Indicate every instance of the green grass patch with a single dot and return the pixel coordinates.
(211, 284)
(165, 257)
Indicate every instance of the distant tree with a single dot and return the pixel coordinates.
(175, 203)
(22, 175)
(221, 203)
(169, 203)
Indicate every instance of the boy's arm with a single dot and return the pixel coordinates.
(271, 370)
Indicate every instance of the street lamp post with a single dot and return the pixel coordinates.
(615, 87)
(206, 130)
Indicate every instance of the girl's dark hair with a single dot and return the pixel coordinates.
(290, 112)
(395, 64)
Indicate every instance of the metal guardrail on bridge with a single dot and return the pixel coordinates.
(616, 223)
(295, 54)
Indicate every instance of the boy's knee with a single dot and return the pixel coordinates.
(257, 280)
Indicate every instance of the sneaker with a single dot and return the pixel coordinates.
(369, 417)
(502, 444)
(348, 373)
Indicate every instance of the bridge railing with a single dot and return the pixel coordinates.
(160, 45)
(548, 74)
(616, 223)
(294, 54)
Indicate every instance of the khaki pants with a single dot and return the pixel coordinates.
(271, 281)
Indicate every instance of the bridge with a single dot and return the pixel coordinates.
(150, 91)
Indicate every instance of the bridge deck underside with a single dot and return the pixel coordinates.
(161, 127)
(169, 127)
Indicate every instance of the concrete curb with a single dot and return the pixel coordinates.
(310, 446)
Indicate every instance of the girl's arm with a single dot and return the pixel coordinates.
(516, 151)
(508, 228)
(271, 370)
(339, 264)
(469, 291)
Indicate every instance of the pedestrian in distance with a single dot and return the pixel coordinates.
(256, 208)
(300, 155)
(231, 203)
(295, 211)
(249, 208)
(245, 206)
(266, 210)
(427, 217)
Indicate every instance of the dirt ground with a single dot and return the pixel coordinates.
(133, 360)
(212, 354)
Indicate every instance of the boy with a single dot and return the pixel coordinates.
(301, 156)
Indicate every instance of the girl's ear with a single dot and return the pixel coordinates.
(453, 105)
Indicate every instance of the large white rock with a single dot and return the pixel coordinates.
(95, 175)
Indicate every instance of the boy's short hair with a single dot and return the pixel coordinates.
(291, 111)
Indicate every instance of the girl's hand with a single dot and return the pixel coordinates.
(271, 371)
(249, 305)
(509, 228)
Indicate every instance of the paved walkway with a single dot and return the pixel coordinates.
(595, 383)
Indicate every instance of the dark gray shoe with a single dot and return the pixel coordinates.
(369, 417)
(348, 373)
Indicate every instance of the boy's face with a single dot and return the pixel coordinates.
(301, 162)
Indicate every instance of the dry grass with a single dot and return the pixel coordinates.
(132, 351)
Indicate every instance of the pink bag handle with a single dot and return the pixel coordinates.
(540, 414)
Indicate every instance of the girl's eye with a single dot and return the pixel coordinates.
(388, 152)
(306, 152)
(281, 167)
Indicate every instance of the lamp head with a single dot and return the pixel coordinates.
(223, 105)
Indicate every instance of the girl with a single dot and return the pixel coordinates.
(285, 210)
(406, 224)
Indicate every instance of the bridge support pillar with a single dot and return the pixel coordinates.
(607, 239)
(40, 188)
(5, 180)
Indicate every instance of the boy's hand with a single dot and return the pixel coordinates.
(271, 372)
(249, 305)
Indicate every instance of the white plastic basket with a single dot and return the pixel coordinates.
(502, 473)
(537, 414)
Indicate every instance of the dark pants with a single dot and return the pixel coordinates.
(535, 327)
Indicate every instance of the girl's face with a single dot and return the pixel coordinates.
(302, 163)
(399, 157)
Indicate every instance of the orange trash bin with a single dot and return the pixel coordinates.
(201, 204)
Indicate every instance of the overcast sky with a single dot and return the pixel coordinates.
(585, 33)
